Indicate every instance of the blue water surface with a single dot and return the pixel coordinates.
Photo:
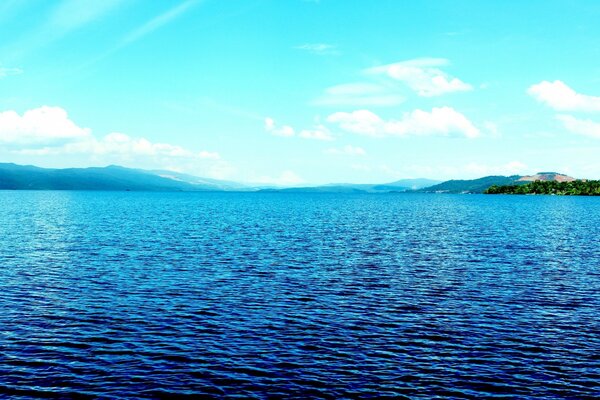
(280, 295)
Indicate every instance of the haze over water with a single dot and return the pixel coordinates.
(149, 295)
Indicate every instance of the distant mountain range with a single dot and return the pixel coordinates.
(205, 183)
(403, 185)
(20, 177)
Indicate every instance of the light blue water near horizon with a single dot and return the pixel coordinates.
(270, 295)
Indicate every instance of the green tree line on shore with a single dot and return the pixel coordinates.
(574, 188)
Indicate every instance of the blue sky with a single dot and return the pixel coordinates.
(293, 91)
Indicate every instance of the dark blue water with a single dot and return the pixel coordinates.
(170, 295)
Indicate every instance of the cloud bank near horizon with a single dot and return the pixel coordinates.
(50, 131)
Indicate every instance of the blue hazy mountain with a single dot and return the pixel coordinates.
(20, 177)
(27, 177)
(212, 184)
(409, 184)
(404, 185)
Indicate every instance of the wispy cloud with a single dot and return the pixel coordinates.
(442, 121)
(561, 97)
(196, 105)
(584, 127)
(4, 71)
(319, 132)
(423, 76)
(73, 14)
(157, 22)
(358, 94)
(386, 85)
(321, 49)
(65, 18)
(9, 7)
(347, 150)
(145, 29)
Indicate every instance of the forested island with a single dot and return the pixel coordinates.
(573, 188)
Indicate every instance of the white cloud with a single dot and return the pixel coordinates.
(274, 129)
(358, 94)
(442, 121)
(122, 144)
(49, 131)
(561, 97)
(347, 150)
(321, 49)
(40, 126)
(583, 127)
(422, 76)
(319, 132)
(381, 89)
(363, 122)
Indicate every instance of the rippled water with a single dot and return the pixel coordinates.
(152, 295)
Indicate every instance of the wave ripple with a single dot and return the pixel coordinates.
(224, 295)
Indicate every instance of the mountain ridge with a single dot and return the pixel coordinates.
(17, 177)
(114, 177)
